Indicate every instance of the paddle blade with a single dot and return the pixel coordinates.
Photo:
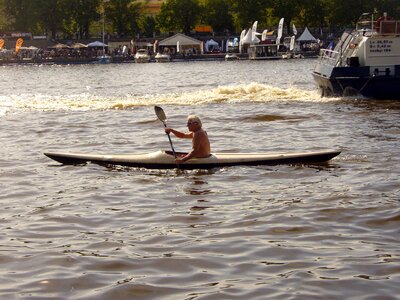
(160, 113)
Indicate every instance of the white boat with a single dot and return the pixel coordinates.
(231, 56)
(162, 57)
(365, 61)
(104, 59)
(264, 52)
(166, 160)
(142, 56)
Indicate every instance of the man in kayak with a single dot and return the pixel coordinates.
(200, 142)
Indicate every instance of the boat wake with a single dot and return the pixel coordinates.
(252, 93)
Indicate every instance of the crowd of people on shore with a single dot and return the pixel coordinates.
(33, 53)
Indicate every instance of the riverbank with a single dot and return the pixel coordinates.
(115, 59)
(124, 59)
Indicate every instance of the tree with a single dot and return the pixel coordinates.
(181, 15)
(20, 14)
(217, 13)
(148, 26)
(287, 9)
(49, 16)
(3, 20)
(124, 16)
(346, 13)
(245, 12)
(392, 7)
(79, 15)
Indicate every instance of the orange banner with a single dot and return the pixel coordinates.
(203, 28)
(18, 44)
(1, 43)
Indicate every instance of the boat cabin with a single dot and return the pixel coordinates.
(263, 51)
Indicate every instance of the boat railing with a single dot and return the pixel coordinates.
(337, 57)
(388, 27)
(328, 57)
(384, 25)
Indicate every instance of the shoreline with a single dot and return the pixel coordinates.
(119, 59)
(115, 59)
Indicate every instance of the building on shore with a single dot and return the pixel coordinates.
(152, 7)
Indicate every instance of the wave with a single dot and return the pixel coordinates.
(252, 92)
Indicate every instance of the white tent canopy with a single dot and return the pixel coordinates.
(97, 44)
(211, 44)
(306, 36)
(183, 40)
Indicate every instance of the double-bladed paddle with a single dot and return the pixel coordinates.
(162, 117)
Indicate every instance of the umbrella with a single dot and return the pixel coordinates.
(97, 44)
(29, 48)
(79, 46)
(59, 46)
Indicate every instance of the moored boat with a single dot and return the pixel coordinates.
(162, 57)
(142, 56)
(264, 51)
(166, 160)
(104, 59)
(365, 61)
(231, 56)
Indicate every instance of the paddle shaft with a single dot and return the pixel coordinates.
(162, 117)
(170, 141)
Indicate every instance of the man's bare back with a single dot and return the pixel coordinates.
(200, 142)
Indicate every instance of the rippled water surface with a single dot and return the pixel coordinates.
(326, 231)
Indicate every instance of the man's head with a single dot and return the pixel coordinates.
(193, 122)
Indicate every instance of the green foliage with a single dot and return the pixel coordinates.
(217, 13)
(50, 16)
(287, 9)
(245, 12)
(125, 18)
(81, 13)
(148, 26)
(19, 13)
(181, 15)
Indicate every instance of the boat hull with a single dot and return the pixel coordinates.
(165, 159)
(350, 81)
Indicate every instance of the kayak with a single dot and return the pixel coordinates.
(165, 159)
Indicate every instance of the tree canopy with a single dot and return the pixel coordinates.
(126, 18)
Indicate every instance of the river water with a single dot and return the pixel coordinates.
(269, 232)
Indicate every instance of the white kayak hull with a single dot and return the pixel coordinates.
(165, 159)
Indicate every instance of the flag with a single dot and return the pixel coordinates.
(254, 28)
(264, 35)
(292, 41)
(294, 30)
(18, 44)
(280, 30)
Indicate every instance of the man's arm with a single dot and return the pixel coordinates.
(179, 134)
